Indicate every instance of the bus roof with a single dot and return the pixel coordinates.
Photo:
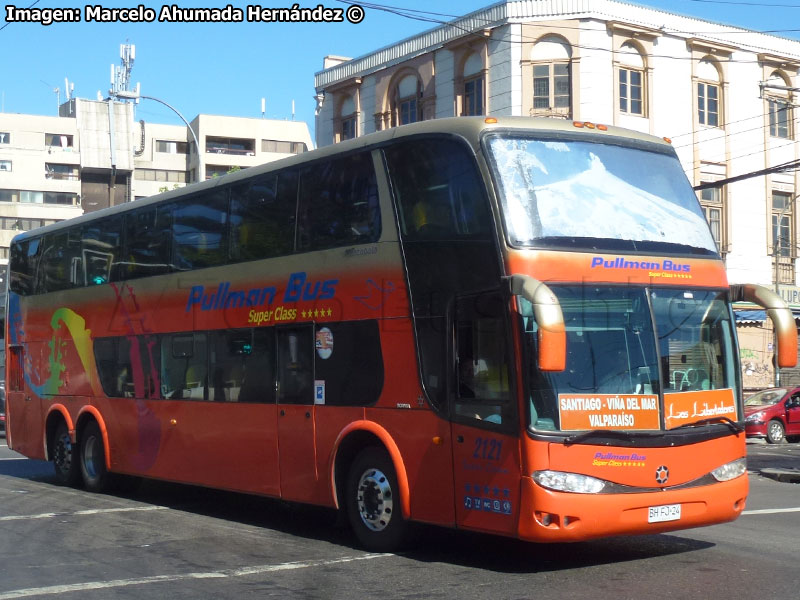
(469, 128)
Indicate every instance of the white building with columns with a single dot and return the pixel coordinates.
(727, 97)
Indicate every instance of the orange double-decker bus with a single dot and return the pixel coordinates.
(514, 326)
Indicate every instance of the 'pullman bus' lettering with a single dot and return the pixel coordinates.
(223, 297)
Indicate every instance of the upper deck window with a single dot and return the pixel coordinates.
(585, 194)
(438, 190)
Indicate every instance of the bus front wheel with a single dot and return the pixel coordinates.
(373, 502)
(65, 457)
(93, 459)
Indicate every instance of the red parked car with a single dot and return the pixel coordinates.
(773, 414)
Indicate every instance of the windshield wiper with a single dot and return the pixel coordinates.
(609, 433)
(735, 427)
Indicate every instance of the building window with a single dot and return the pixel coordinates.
(708, 93)
(631, 80)
(779, 105)
(711, 201)
(9, 195)
(171, 147)
(213, 171)
(551, 87)
(473, 92)
(551, 77)
(223, 145)
(708, 104)
(19, 224)
(783, 240)
(347, 119)
(61, 172)
(283, 147)
(5, 137)
(60, 198)
(160, 175)
(406, 104)
(779, 118)
(5, 165)
(630, 92)
(58, 140)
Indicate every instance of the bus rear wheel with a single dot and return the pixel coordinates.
(373, 502)
(65, 457)
(93, 459)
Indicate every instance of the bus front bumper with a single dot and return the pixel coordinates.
(551, 516)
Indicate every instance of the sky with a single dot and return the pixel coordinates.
(227, 68)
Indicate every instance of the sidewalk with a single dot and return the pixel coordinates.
(780, 462)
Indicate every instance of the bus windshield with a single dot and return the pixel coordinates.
(605, 196)
(623, 364)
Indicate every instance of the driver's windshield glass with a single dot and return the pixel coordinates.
(568, 193)
(766, 398)
(620, 363)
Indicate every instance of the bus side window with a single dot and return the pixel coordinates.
(200, 230)
(100, 242)
(242, 365)
(338, 203)
(258, 378)
(439, 193)
(184, 366)
(349, 362)
(22, 266)
(263, 215)
(295, 365)
(483, 389)
(147, 250)
(60, 263)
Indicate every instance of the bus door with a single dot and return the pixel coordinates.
(295, 389)
(23, 409)
(485, 444)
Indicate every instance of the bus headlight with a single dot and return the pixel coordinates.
(568, 482)
(732, 470)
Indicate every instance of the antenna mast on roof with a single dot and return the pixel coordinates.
(121, 75)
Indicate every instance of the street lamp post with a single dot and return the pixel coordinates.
(134, 95)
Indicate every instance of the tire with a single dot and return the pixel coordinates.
(373, 502)
(65, 457)
(776, 433)
(93, 459)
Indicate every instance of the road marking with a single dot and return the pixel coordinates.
(94, 511)
(771, 511)
(222, 574)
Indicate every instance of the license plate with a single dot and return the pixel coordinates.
(659, 514)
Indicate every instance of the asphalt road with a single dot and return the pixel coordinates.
(170, 541)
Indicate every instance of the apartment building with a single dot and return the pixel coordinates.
(726, 96)
(95, 154)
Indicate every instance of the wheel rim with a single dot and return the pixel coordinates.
(63, 453)
(775, 431)
(375, 499)
(91, 454)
